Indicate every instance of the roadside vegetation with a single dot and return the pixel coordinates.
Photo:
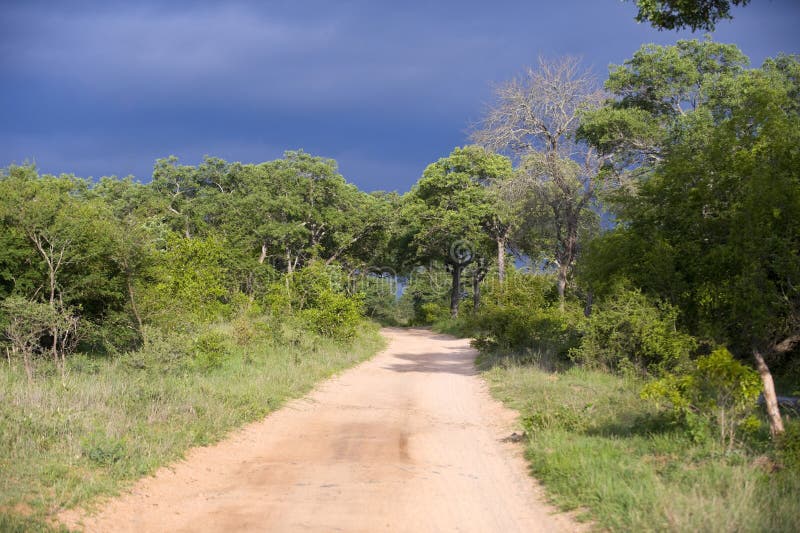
(141, 320)
(66, 441)
(626, 465)
(626, 256)
(630, 422)
(655, 361)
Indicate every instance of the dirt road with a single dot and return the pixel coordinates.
(409, 441)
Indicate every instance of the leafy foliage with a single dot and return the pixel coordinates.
(447, 216)
(209, 350)
(693, 14)
(629, 331)
(317, 295)
(715, 221)
(713, 388)
(189, 281)
(524, 314)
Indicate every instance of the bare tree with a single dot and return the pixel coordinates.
(534, 120)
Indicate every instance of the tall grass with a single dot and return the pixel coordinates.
(601, 450)
(111, 421)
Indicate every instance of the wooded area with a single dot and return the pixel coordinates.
(648, 226)
(691, 154)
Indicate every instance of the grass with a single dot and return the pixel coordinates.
(114, 420)
(625, 466)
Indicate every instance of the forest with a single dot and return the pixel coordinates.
(635, 238)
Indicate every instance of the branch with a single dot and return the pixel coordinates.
(786, 345)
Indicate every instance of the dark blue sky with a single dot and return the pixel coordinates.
(384, 87)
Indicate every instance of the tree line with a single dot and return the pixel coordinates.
(674, 183)
(670, 192)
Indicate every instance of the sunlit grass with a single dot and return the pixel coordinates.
(114, 420)
(601, 450)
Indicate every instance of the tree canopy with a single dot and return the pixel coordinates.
(679, 14)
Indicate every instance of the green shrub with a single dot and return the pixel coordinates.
(162, 351)
(336, 315)
(317, 296)
(631, 332)
(243, 330)
(426, 296)
(524, 314)
(209, 350)
(117, 333)
(788, 447)
(716, 390)
(431, 312)
(26, 325)
(190, 283)
(380, 298)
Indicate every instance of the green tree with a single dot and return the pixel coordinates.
(679, 14)
(720, 215)
(190, 282)
(657, 95)
(64, 228)
(133, 230)
(296, 209)
(445, 215)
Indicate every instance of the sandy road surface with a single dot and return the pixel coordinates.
(409, 441)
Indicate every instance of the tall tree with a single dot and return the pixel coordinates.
(64, 229)
(445, 215)
(133, 229)
(298, 208)
(719, 216)
(535, 119)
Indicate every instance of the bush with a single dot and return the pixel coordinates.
(316, 295)
(115, 334)
(788, 447)
(243, 330)
(31, 328)
(524, 313)
(162, 351)
(24, 325)
(209, 350)
(426, 296)
(714, 391)
(431, 312)
(631, 332)
(379, 292)
(336, 315)
(190, 283)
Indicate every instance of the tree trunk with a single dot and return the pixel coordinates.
(770, 398)
(263, 255)
(587, 309)
(54, 326)
(566, 253)
(455, 291)
(562, 284)
(501, 260)
(52, 275)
